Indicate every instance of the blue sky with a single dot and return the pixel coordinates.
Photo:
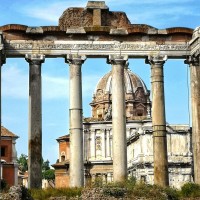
(55, 72)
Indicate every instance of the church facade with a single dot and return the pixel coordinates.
(97, 135)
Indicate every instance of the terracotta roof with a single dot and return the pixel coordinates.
(6, 132)
(64, 137)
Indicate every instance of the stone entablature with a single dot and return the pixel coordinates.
(95, 31)
(94, 48)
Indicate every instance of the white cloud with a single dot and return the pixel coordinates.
(15, 84)
(49, 12)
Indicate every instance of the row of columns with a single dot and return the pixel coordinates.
(76, 125)
(118, 119)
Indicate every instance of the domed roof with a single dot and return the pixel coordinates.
(131, 81)
(137, 99)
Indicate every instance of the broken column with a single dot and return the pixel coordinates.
(76, 121)
(35, 121)
(118, 118)
(158, 120)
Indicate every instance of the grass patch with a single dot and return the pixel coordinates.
(190, 190)
(41, 194)
(128, 189)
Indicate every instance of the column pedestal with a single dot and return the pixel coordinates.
(118, 119)
(159, 121)
(76, 122)
(35, 121)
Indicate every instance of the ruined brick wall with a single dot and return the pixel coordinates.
(61, 178)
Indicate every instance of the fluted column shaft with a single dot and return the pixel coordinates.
(158, 120)
(76, 123)
(195, 105)
(35, 121)
(118, 119)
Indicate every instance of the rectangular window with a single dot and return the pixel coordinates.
(3, 151)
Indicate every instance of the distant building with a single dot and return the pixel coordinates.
(97, 132)
(62, 165)
(9, 157)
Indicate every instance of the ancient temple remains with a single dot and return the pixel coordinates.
(96, 32)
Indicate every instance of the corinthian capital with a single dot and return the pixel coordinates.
(75, 59)
(117, 59)
(35, 59)
(156, 59)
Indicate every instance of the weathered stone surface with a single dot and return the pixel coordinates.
(159, 121)
(79, 17)
(118, 31)
(79, 30)
(14, 193)
(34, 30)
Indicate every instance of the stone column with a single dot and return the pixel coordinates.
(194, 61)
(35, 121)
(158, 120)
(195, 105)
(118, 118)
(2, 61)
(76, 122)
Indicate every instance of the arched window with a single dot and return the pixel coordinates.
(62, 158)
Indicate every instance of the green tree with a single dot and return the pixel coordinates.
(45, 165)
(23, 162)
(49, 175)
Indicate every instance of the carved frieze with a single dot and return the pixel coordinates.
(95, 46)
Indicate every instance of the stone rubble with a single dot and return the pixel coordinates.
(14, 193)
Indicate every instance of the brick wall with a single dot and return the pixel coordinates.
(9, 173)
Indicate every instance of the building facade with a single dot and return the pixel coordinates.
(9, 166)
(98, 138)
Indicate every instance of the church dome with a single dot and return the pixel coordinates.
(131, 82)
(137, 99)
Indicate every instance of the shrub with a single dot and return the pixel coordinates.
(114, 191)
(190, 190)
(172, 193)
(26, 194)
(98, 182)
(4, 185)
(148, 192)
